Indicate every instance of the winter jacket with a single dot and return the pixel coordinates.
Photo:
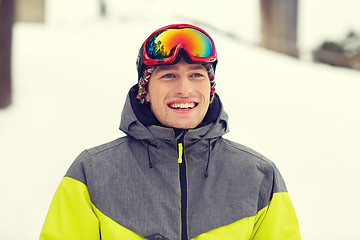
(152, 184)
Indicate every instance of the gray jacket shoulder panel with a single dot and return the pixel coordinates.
(80, 168)
(107, 146)
(245, 149)
(264, 164)
(76, 170)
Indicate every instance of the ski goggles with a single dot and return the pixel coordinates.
(164, 45)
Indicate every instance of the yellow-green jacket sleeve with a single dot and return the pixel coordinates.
(277, 221)
(71, 215)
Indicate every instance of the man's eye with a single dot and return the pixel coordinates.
(169, 75)
(198, 75)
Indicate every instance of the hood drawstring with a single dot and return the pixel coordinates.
(206, 173)
(148, 152)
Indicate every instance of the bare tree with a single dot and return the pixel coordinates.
(102, 8)
(6, 23)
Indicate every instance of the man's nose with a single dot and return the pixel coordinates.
(183, 86)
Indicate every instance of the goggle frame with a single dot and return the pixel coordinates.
(154, 62)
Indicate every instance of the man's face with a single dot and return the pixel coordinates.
(179, 94)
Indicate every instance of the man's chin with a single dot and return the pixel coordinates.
(181, 124)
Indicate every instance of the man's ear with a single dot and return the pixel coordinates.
(147, 98)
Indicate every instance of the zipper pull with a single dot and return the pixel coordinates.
(180, 149)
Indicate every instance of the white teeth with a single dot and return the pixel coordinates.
(182, 105)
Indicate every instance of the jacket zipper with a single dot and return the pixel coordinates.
(183, 186)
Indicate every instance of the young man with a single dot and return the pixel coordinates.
(173, 176)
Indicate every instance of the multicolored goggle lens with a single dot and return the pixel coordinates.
(163, 46)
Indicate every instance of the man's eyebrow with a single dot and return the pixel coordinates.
(173, 67)
(165, 68)
(197, 67)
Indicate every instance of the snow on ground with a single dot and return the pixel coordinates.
(70, 83)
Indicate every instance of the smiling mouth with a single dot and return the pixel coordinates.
(183, 106)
